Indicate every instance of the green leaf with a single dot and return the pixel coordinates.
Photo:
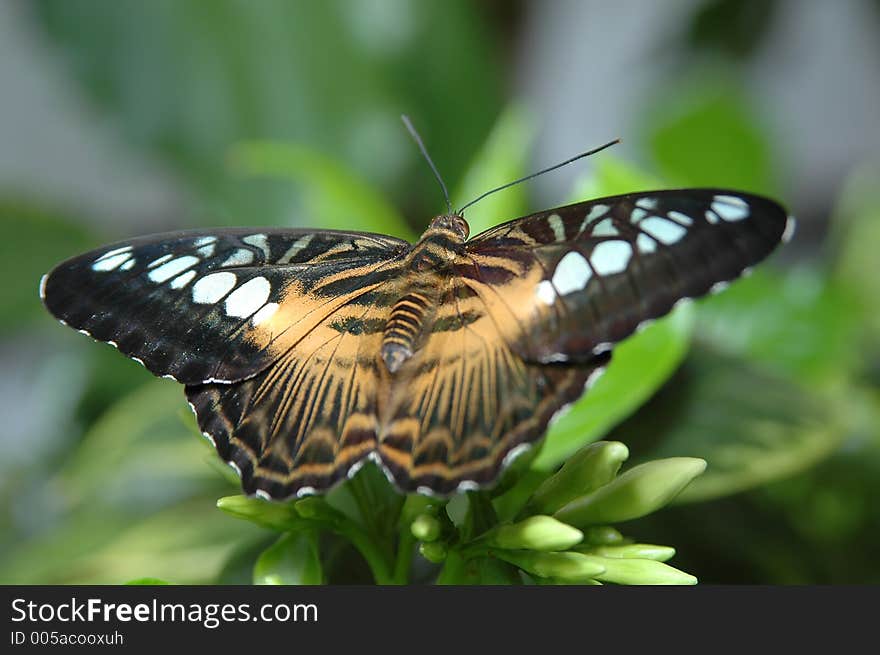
(750, 426)
(34, 241)
(797, 323)
(639, 491)
(856, 240)
(611, 177)
(139, 443)
(186, 542)
(502, 159)
(639, 366)
(334, 197)
(292, 560)
(704, 133)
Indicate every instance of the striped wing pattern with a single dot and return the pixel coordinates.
(465, 404)
(306, 353)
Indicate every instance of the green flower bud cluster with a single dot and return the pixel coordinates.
(562, 534)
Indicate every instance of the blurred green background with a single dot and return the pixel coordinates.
(123, 117)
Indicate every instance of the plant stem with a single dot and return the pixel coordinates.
(372, 553)
(402, 563)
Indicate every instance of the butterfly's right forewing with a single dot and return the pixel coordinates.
(566, 284)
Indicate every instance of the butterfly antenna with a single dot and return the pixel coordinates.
(541, 172)
(415, 135)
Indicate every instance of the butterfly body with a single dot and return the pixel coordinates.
(306, 353)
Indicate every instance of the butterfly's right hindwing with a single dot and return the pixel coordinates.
(215, 306)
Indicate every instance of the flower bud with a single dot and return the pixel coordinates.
(535, 533)
(639, 571)
(640, 491)
(433, 551)
(425, 528)
(602, 535)
(277, 516)
(632, 551)
(566, 567)
(585, 471)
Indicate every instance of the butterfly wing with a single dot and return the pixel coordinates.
(568, 283)
(221, 307)
(310, 418)
(464, 404)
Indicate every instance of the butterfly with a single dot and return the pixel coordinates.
(305, 354)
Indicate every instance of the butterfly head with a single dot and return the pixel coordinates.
(455, 226)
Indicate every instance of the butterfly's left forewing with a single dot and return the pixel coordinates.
(222, 306)
(568, 283)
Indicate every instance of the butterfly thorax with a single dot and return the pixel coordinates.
(427, 264)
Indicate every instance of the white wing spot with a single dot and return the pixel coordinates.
(115, 251)
(572, 273)
(265, 313)
(241, 257)
(664, 231)
(605, 228)
(260, 241)
(681, 218)
(127, 265)
(182, 280)
(637, 215)
(172, 268)
(295, 247)
(558, 227)
(204, 241)
(602, 347)
(711, 217)
(213, 287)
(110, 263)
(596, 211)
(611, 257)
(646, 243)
(647, 203)
(207, 250)
(159, 260)
(248, 298)
(545, 292)
(730, 208)
(790, 226)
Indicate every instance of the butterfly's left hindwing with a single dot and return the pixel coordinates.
(568, 283)
(202, 307)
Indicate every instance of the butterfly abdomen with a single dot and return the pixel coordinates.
(403, 329)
